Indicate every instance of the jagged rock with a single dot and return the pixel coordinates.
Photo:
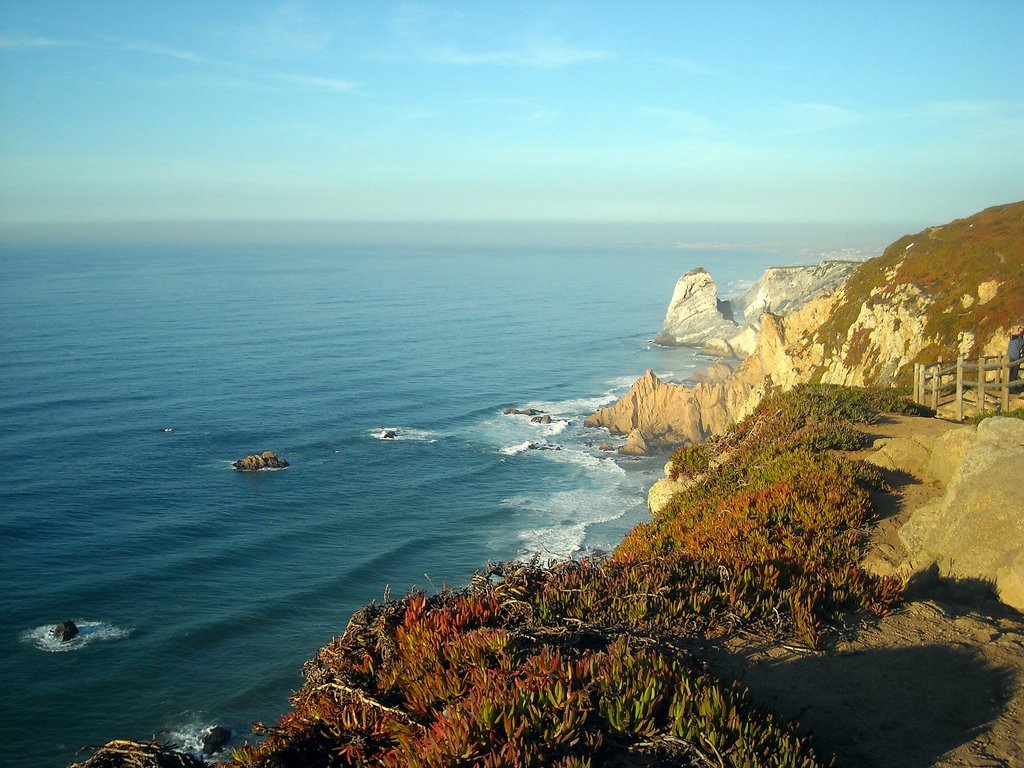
(974, 533)
(545, 419)
(216, 739)
(513, 411)
(65, 630)
(635, 444)
(389, 434)
(256, 462)
(783, 290)
(696, 315)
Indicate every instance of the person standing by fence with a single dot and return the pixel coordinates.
(1015, 350)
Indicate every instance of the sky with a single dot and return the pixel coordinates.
(486, 111)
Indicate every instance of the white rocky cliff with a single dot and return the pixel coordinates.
(696, 316)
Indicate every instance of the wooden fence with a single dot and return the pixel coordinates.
(984, 381)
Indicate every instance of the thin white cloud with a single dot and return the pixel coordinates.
(28, 42)
(166, 51)
(286, 31)
(330, 84)
(535, 56)
(814, 117)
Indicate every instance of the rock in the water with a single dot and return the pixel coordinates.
(216, 739)
(256, 462)
(635, 444)
(389, 434)
(974, 532)
(65, 630)
(513, 411)
(694, 312)
(606, 447)
(545, 419)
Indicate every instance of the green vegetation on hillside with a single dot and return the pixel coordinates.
(583, 663)
(945, 264)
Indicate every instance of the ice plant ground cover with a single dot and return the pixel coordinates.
(581, 663)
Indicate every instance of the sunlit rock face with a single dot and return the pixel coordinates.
(697, 316)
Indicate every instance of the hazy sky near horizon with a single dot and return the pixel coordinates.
(646, 111)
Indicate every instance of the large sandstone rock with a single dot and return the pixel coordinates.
(976, 530)
(695, 312)
(729, 328)
(258, 461)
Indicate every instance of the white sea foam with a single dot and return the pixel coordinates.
(410, 434)
(188, 737)
(89, 632)
(514, 450)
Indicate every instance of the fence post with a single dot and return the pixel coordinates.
(959, 387)
(1004, 376)
(936, 383)
(982, 375)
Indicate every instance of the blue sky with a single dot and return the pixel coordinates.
(624, 112)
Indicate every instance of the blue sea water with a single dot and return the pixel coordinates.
(133, 375)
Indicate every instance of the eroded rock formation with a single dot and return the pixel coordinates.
(948, 290)
(697, 316)
(258, 461)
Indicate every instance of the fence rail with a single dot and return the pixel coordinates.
(984, 381)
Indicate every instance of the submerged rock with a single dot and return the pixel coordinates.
(256, 462)
(65, 630)
(513, 411)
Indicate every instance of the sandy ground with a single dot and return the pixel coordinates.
(939, 683)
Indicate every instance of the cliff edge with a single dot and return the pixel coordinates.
(947, 290)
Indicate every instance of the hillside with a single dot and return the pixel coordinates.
(947, 290)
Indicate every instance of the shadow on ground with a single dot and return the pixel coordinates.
(894, 707)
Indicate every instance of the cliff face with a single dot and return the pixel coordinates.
(695, 312)
(783, 290)
(948, 290)
(697, 316)
(954, 289)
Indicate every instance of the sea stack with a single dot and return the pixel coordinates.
(258, 461)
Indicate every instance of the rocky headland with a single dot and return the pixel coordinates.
(948, 290)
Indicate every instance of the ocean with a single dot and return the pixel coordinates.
(135, 374)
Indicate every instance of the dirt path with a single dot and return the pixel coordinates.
(939, 683)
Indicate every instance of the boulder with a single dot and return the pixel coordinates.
(256, 462)
(545, 419)
(635, 445)
(65, 630)
(389, 434)
(216, 739)
(975, 532)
